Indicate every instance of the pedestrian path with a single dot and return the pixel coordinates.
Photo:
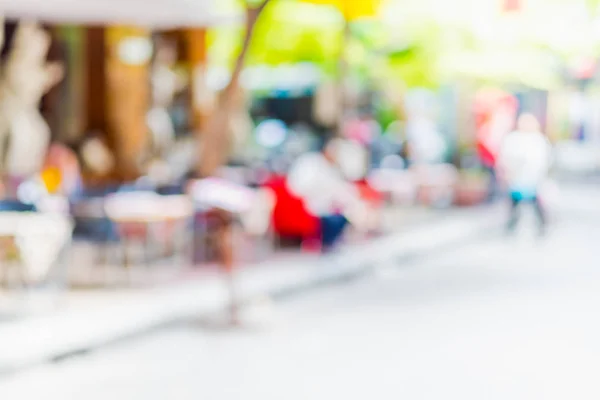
(91, 319)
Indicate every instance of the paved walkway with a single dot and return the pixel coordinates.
(86, 320)
(495, 319)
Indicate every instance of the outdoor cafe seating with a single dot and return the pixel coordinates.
(31, 246)
(152, 220)
(250, 209)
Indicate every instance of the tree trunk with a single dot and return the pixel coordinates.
(214, 146)
(1, 32)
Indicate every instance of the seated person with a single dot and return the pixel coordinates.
(317, 180)
(291, 219)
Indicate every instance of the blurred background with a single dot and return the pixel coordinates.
(299, 198)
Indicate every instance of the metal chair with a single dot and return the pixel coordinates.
(149, 219)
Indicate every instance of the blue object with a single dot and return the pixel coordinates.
(332, 229)
(16, 206)
(523, 194)
(173, 189)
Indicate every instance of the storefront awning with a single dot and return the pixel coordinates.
(150, 13)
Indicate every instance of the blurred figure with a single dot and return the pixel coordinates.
(425, 143)
(383, 147)
(362, 129)
(524, 162)
(166, 84)
(495, 113)
(61, 172)
(318, 181)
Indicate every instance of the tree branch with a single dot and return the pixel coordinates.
(1, 32)
(262, 6)
(252, 14)
(214, 146)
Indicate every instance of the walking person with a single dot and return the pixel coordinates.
(524, 163)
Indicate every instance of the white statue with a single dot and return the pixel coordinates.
(25, 78)
(166, 84)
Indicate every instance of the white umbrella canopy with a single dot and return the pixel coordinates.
(150, 13)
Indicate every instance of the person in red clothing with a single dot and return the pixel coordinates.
(317, 179)
(495, 113)
(290, 216)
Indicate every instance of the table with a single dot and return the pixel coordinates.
(135, 214)
(38, 238)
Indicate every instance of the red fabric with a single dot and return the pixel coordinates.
(368, 194)
(292, 218)
(487, 157)
(290, 215)
(487, 103)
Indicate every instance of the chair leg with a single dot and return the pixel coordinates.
(105, 248)
(147, 246)
(126, 259)
(183, 245)
(4, 275)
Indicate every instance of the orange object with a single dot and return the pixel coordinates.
(61, 169)
(52, 178)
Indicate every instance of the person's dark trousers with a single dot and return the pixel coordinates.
(332, 229)
(493, 184)
(515, 212)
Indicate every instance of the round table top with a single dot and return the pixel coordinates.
(148, 208)
(222, 194)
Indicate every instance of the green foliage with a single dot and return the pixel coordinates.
(287, 32)
(417, 44)
(385, 114)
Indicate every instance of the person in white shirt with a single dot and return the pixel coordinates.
(317, 179)
(524, 163)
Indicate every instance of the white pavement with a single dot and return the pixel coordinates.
(85, 322)
(495, 319)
